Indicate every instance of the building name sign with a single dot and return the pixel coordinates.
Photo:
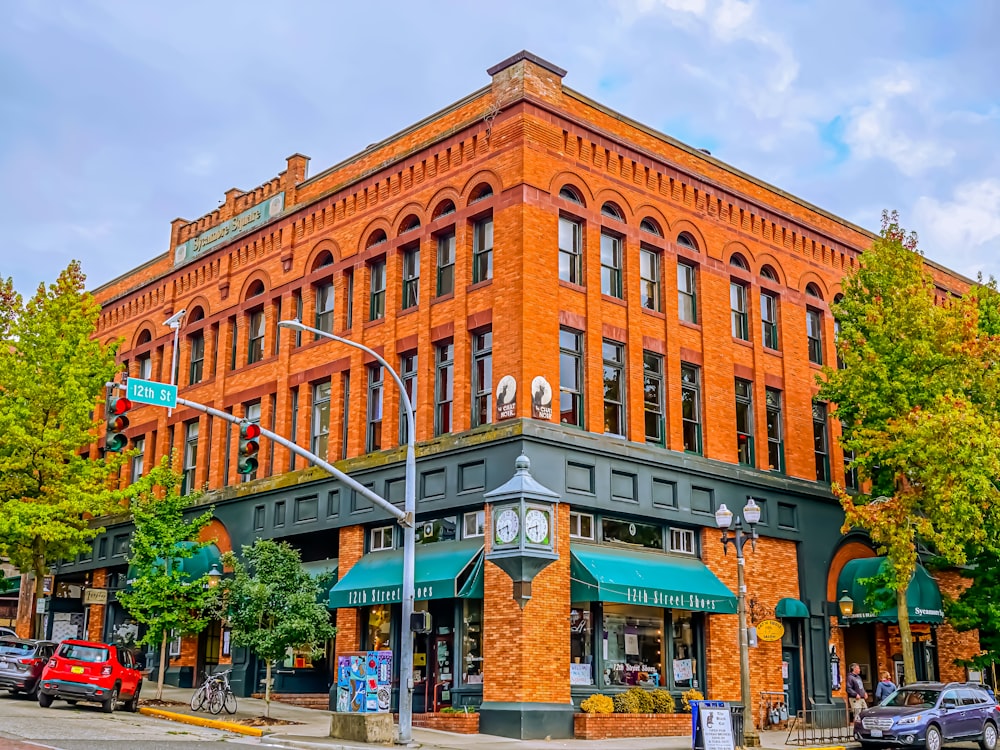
(243, 222)
(654, 597)
(916, 612)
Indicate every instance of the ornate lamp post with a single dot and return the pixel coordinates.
(734, 532)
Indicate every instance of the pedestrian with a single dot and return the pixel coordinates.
(885, 688)
(856, 692)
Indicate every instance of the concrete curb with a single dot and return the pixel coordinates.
(200, 722)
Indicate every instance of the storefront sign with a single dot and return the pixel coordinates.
(581, 674)
(541, 399)
(655, 598)
(506, 398)
(387, 595)
(770, 630)
(228, 230)
(716, 728)
(95, 596)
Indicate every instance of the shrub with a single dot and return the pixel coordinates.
(598, 704)
(662, 702)
(458, 710)
(634, 701)
(690, 695)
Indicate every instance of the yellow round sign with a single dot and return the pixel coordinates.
(770, 630)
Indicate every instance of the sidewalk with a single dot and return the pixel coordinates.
(313, 731)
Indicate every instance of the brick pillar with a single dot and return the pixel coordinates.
(95, 619)
(352, 547)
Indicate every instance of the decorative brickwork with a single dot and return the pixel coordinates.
(610, 726)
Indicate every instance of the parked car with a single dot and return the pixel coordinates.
(94, 672)
(21, 664)
(7, 632)
(931, 714)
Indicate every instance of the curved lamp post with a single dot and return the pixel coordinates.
(409, 533)
(734, 532)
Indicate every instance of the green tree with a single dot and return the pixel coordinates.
(162, 595)
(52, 374)
(272, 604)
(978, 608)
(917, 398)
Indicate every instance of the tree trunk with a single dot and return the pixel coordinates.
(162, 670)
(267, 691)
(905, 638)
(36, 620)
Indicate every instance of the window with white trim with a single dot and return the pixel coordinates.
(474, 524)
(380, 538)
(682, 540)
(581, 526)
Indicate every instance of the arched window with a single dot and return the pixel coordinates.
(813, 291)
(738, 261)
(769, 273)
(196, 314)
(570, 193)
(256, 289)
(612, 211)
(684, 239)
(377, 238)
(410, 223)
(144, 338)
(444, 208)
(650, 226)
(480, 192)
(325, 258)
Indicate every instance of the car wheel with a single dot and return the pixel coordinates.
(933, 741)
(132, 705)
(111, 704)
(989, 739)
(44, 700)
(33, 695)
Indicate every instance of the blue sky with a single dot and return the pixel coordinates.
(116, 117)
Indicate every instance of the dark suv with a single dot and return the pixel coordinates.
(21, 663)
(931, 714)
(88, 671)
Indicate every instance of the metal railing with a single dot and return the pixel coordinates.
(820, 726)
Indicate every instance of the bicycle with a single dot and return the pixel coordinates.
(216, 693)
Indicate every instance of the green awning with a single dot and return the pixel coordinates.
(625, 576)
(790, 608)
(195, 566)
(923, 597)
(443, 570)
(10, 586)
(326, 571)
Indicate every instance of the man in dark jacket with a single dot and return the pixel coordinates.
(856, 692)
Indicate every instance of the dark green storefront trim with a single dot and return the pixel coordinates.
(923, 597)
(790, 609)
(444, 570)
(646, 577)
(10, 586)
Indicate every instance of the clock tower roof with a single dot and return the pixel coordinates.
(521, 485)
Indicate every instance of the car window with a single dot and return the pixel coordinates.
(914, 698)
(951, 695)
(968, 697)
(125, 659)
(92, 654)
(14, 648)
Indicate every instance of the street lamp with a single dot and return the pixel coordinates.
(846, 604)
(409, 533)
(734, 532)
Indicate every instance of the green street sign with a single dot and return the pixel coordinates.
(151, 392)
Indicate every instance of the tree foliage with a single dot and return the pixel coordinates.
(161, 594)
(272, 605)
(52, 374)
(978, 607)
(918, 398)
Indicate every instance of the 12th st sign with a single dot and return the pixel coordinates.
(151, 392)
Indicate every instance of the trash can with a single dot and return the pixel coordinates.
(736, 719)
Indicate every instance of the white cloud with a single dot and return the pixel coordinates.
(965, 229)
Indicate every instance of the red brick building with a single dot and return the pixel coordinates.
(642, 321)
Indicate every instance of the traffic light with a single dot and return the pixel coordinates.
(116, 422)
(249, 445)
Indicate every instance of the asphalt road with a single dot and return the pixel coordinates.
(24, 725)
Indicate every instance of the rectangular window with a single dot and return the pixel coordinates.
(320, 428)
(139, 459)
(738, 310)
(682, 540)
(345, 411)
(380, 538)
(744, 422)
(324, 308)
(652, 386)
(474, 524)
(411, 277)
(620, 531)
(196, 369)
(614, 387)
(297, 299)
(570, 257)
(611, 265)
(836, 343)
(251, 412)
(769, 320)
(482, 378)
(775, 431)
(349, 302)
(227, 455)
(144, 364)
(234, 344)
(482, 250)
(444, 360)
(408, 374)
(376, 307)
(850, 473)
(446, 264)
(438, 530)
(691, 407)
(571, 377)
(472, 642)
(277, 330)
(190, 456)
(373, 433)
(649, 274)
(581, 526)
(633, 644)
(255, 341)
(272, 401)
(294, 426)
(821, 442)
(814, 333)
(687, 301)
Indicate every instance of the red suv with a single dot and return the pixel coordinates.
(87, 671)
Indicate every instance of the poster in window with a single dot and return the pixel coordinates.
(631, 641)
(682, 670)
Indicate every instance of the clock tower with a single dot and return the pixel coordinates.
(522, 528)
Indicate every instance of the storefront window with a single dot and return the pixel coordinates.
(632, 645)
(380, 627)
(581, 668)
(684, 654)
(436, 530)
(472, 642)
(617, 531)
(300, 658)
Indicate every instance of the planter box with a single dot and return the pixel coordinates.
(608, 726)
(458, 723)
